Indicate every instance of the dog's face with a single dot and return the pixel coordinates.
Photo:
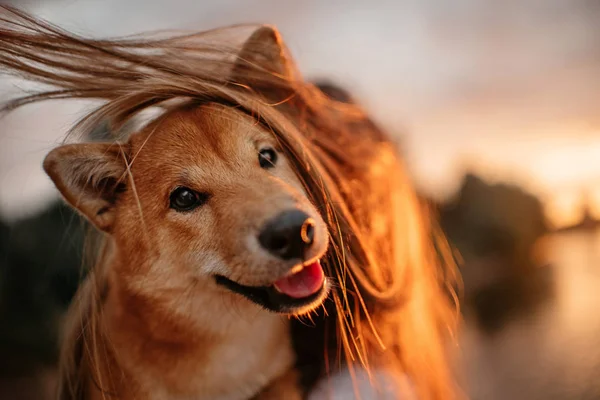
(209, 198)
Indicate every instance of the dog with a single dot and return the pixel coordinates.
(261, 239)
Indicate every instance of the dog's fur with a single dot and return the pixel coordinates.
(151, 321)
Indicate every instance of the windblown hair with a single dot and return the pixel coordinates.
(390, 303)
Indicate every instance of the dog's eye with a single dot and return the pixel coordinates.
(267, 158)
(185, 199)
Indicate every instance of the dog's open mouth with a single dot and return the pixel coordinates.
(301, 290)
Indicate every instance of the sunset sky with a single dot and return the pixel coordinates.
(509, 88)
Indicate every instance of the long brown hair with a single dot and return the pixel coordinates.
(390, 304)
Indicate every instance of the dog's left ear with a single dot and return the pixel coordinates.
(90, 178)
(264, 63)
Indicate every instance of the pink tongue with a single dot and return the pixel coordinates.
(304, 283)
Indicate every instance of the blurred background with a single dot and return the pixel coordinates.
(496, 105)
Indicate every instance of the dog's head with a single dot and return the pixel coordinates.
(206, 193)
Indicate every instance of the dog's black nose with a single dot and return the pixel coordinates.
(288, 235)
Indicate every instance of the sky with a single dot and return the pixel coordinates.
(509, 88)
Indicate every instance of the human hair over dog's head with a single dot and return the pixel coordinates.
(389, 299)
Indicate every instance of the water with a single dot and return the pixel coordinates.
(552, 352)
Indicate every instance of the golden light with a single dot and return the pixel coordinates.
(564, 209)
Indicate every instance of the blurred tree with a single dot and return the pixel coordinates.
(496, 227)
(40, 268)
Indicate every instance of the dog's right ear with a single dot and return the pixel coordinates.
(265, 51)
(90, 177)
